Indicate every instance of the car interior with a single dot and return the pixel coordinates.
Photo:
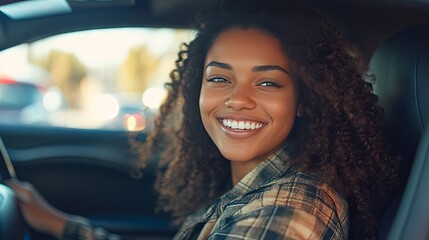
(90, 172)
(402, 86)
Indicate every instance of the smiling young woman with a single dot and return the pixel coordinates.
(278, 130)
(248, 101)
(269, 132)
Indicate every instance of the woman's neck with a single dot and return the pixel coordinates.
(239, 169)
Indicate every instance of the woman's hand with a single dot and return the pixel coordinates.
(37, 212)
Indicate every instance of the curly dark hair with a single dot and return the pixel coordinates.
(339, 134)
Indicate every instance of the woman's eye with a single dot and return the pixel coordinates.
(217, 79)
(269, 84)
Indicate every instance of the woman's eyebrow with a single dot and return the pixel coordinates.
(219, 65)
(263, 68)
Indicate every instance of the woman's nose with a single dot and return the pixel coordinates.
(240, 98)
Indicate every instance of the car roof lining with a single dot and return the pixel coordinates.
(365, 23)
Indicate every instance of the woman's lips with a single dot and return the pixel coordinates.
(241, 125)
(240, 129)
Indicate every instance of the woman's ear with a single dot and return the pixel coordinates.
(300, 110)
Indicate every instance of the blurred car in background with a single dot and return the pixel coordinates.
(27, 103)
(125, 112)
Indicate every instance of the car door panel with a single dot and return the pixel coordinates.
(89, 173)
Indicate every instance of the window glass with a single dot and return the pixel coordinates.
(98, 79)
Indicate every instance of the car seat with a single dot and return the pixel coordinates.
(401, 68)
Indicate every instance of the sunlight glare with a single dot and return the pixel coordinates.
(153, 97)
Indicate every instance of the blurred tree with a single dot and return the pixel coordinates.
(136, 73)
(67, 73)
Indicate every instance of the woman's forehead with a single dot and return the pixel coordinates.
(238, 45)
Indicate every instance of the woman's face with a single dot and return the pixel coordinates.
(248, 100)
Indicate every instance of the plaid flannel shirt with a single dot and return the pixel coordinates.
(272, 202)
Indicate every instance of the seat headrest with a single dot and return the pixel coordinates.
(401, 68)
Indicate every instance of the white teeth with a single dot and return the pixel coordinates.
(225, 122)
(241, 125)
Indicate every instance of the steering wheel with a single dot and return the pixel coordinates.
(12, 225)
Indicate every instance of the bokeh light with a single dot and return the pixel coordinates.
(153, 97)
(105, 107)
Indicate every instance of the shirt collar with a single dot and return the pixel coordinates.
(271, 168)
(268, 170)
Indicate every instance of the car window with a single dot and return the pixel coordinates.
(93, 79)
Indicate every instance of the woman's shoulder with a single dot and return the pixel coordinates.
(301, 192)
(302, 188)
(294, 201)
